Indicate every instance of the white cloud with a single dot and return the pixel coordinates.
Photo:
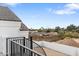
(64, 11)
(8, 4)
(72, 6)
(68, 9)
(12, 4)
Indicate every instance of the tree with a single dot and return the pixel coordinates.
(57, 29)
(77, 29)
(49, 30)
(71, 27)
(41, 29)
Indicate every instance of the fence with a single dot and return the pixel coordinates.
(20, 50)
(21, 46)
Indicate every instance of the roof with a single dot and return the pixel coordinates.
(7, 15)
(23, 27)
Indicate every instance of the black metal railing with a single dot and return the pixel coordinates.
(20, 50)
(22, 46)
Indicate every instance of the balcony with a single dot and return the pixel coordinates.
(20, 46)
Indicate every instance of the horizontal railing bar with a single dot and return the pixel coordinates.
(40, 47)
(15, 37)
(28, 48)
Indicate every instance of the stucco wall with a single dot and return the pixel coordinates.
(10, 24)
(24, 33)
(9, 29)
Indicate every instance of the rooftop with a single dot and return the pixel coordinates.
(7, 15)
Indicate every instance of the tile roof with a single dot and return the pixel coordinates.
(7, 15)
(23, 27)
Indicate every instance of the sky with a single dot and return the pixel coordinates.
(47, 15)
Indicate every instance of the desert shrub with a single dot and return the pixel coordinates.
(71, 34)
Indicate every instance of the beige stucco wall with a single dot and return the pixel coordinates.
(9, 29)
(24, 33)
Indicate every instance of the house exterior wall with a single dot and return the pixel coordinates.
(9, 29)
(25, 33)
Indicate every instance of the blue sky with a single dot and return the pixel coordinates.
(47, 15)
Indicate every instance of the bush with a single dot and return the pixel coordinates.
(71, 34)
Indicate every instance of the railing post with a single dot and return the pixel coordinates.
(31, 45)
(7, 47)
(24, 41)
(11, 49)
(21, 51)
(24, 44)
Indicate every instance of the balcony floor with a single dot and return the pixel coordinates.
(50, 52)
